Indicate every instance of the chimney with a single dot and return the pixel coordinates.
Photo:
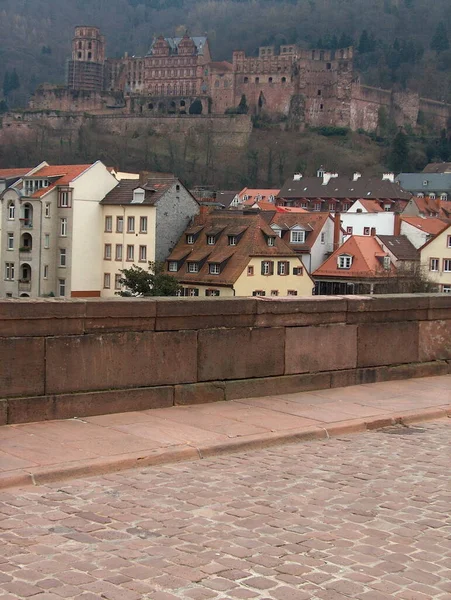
(203, 214)
(143, 177)
(337, 230)
(356, 176)
(397, 224)
(326, 178)
(373, 231)
(388, 177)
(297, 176)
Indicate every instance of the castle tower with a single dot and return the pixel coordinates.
(86, 68)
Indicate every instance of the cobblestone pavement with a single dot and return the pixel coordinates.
(364, 516)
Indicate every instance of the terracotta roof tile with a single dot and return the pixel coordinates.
(19, 172)
(366, 252)
(311, 222)
(372, 206)
(431, 225)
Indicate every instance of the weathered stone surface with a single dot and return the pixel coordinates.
(301, 311)
(21, 366)
(274, 386)
(28, 410)
(120, 360)
(324, 348)
(435, 340)
(240, 353)
(387, 343)
(3, 412)
(199, 393)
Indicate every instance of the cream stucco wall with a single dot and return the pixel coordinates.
(113, 267)
(415, 235)
(437, 248)
(247, 284)
(224, 292)
(86, 253)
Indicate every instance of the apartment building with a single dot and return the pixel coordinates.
(436, 260)
(51, 231)
(236, 253)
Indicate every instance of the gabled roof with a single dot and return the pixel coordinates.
(446, 230)
(58, 175)
(427, 207)
(400, 246)
(343, 188)
(312, 222)
(371, 206)
(253, 231)
(154, 187)
(254, 193)
(366, 255)
(431, 225)
(444, 167)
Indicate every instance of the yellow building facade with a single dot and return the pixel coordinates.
(436, 260)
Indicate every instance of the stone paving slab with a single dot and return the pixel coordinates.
(362, 517)
(34, 453)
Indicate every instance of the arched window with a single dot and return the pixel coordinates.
(11, 211)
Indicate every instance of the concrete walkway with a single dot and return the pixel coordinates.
(38, 453)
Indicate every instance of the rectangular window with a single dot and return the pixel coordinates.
(212, 292)
(348, 230)
(130, 224)
(143, 225)
(446, 289)
(108, 224)
(173, 266)
(119, 224)
(192, 292)
(46, 271)
(448, 242)
(63, 227)
(9, 271)
(274, 292)
(259, 293)
(366, 231)
(47, 210)
(283, 267)
(267, 267)
(118, 255)
(211, 240)
(63, 257)
(64, 199)
(447, 265)
(434, 264)
(297, 237)
(298, 271)
(117, 281)
(130, 252)
(232, 240)
(193, 267)
(271, 241)
(317, 206)
(107, 252)
(106, 281)
(61, 287)
(250, 271)
(190, 239)
(292, 293)
(46, 240)
(10, 241)
(214, 269)
(323, 238)
(142, 253)
(344, 262)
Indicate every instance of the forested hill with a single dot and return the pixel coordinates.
(403, 43)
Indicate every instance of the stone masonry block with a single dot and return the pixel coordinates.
(120, 360)
(240, 353)
(323, 348)
(435, 340)
(199, 393)
(22, 370)
(300, 312)
(387, 343)
(35, 318)
(3, 412)
(120, 314)
(276, 386)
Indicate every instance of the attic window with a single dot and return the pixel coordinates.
(232, 240)
(190, 239)
(432, 196)
(421, 195)
(271, 241)
(443, 196)
(173, 266)
(177, 188)
(297, 237)
(344, 261)
(211, 240)
(138, 196)
(425, 182)
(387, 262)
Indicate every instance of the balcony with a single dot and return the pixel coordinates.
(26, 223)
(24, 285)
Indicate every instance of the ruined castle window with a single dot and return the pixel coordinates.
(284, 50)
(89, 46)
(270, 79)
(321, 106)
(319, 92)
(79, 55)
(257, 80)
(284, 79)
(217, 83)
(89, 55)
(313, 55)
(328, 66)
(246, 79)
(79, 45)
(150, 106)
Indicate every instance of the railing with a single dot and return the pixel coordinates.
(24, 285)
(26, 223)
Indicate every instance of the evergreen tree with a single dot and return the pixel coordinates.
(243, 108)
(153, 282)
(10, 82)
(399, 154)
(364, 42)
(440, 41)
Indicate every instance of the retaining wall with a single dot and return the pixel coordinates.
(61, 359)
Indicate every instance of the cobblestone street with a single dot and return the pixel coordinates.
(364, 516)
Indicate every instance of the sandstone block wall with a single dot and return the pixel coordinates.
(61, 359)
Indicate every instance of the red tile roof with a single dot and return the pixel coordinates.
(254, 193)
(62, 175)
(5, 173)
(431, 225)
(366, 253)
(313, 223)
(254, 232)
(372, 206)
(429, 207)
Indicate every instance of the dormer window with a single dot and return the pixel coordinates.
(214, 269)
(193, 267)
(344, 261)
(443, 196)
(387, 262)
(432, 196)
(173, 266)
(425, 182)
(421, 195)
(271, 241)
(190, 239)
(138, 196)
(297, 237)
(232, 240)
(211, 240)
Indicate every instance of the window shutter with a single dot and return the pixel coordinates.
(263, 267)
(279, 267)
(287, 268)
(196, 292)
(271, 268)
